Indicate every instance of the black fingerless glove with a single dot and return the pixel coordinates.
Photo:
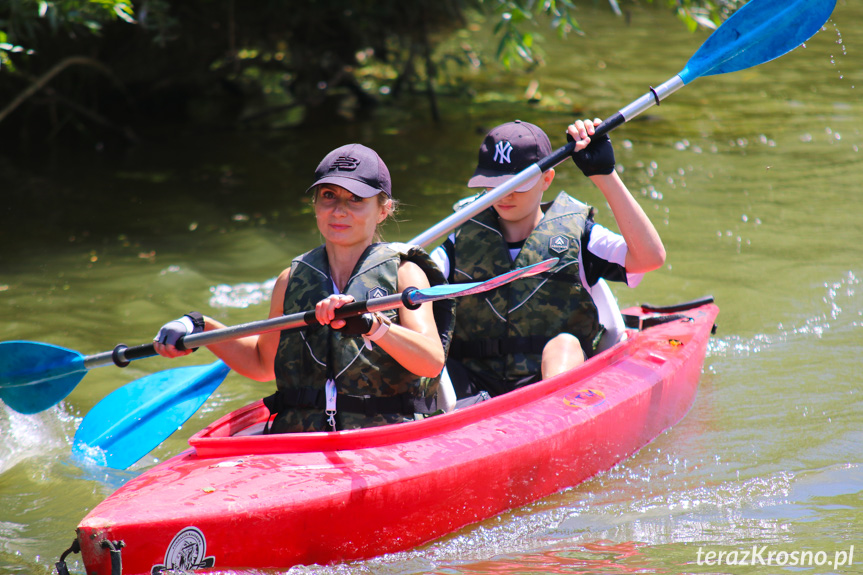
(597, 158)
(197, 321)
(357, 325)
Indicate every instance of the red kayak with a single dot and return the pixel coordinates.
(241, 500)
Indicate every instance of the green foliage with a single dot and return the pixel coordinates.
(22, 20)
(6, 48)
(274, 61)
(702, 13)
(517, 44)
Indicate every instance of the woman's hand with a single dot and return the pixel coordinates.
(325, 310)
(165, 342)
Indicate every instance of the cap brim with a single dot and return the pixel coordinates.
(356, 187)
(484, 179)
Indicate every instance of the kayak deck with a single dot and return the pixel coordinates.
(255, 501)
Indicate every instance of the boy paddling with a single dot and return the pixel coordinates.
(538, 328)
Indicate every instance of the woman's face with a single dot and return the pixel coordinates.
(345, 218)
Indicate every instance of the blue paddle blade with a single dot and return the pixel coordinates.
(36, 376)
(762, 30)
(133, 420)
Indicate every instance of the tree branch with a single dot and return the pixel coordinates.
(42, 81)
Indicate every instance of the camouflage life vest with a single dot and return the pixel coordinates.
(306, 358)
(499, 335)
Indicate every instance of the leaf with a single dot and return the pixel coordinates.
(125, 13)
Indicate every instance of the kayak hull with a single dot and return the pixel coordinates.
(253, 501)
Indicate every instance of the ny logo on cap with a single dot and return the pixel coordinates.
(345, 163)
(502, 151)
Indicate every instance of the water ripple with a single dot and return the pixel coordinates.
(837, 293)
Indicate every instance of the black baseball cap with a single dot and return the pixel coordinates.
(356, 168)
(507, 150)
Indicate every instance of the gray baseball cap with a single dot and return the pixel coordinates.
(356, 168)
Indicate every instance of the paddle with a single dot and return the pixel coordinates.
(134, 419)
(35, 376)
(760, 31)
(757, 33)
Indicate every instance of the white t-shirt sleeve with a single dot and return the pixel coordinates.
(611, 247)
(439, 256)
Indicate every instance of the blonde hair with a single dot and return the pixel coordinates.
(391, 214)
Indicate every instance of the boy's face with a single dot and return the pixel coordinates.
(522, 206)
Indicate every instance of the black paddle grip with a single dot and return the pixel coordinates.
(349, 310)
(614, 121)
(352, 309)
(345, 312)
(122, 354)
(565, 152)
(556, 157)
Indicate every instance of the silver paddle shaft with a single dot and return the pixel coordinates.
(654, 97)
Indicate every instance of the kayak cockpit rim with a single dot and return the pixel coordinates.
(237, 433)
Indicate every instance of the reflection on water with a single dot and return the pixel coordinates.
(752, 179)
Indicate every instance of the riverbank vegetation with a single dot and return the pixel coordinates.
(95, 70)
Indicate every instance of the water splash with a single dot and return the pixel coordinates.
(844, 53)
(241, 295)
(24, 436)
(604, 527)
(815, 326)
(87, 455)
(684, 515)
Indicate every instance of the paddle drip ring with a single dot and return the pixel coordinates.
(406, 298)
(117, 358)
(655, 95)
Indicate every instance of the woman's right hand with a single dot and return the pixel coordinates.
(325, 310)
(165, 342)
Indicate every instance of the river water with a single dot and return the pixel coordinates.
(752, 179)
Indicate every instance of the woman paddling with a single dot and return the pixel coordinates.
(367, 371)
